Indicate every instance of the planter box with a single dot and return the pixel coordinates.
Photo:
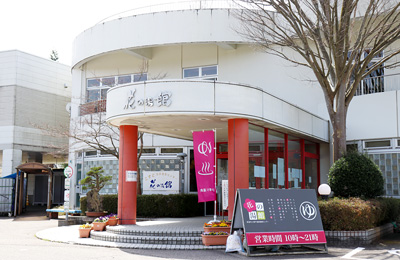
(214, 240)
(84, 232)
(112, 221)
(99, 226)
(217, 229)
(351, 238)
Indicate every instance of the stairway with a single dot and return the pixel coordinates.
(153, 237)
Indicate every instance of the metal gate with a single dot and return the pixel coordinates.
(6, 195)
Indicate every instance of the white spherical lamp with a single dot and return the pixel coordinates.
(324, 190)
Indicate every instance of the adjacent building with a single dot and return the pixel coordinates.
(34, 97)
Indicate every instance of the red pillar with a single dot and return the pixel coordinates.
(126, 186)
(238, 159)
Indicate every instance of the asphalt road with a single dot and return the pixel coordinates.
(18, 241)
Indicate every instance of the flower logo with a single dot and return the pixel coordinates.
(250, 205)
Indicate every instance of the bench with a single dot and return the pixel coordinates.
(53, 213)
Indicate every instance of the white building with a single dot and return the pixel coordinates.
(34, 93)
(266, 109)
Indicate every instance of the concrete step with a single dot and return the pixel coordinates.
(134, 231)
(143, 239)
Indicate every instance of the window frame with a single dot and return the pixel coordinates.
(101, 86)
(200, 73)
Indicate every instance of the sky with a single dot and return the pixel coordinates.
(40, 26)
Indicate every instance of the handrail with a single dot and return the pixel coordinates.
(174, 6)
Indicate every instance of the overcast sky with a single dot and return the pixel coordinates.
(40, 26)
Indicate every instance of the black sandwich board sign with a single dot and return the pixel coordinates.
(278, 217)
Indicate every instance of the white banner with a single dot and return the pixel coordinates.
(225, 194)
(160, 182)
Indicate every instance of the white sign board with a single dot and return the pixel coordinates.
(161, 182)
(225, 194)
(68, 172)
(131, 176)
(66, 195)
(67, 183)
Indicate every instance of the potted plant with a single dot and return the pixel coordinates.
(214, 238)
(84, 230)
(223, 225)
(112, 220)
(95, 181)
(100, 223)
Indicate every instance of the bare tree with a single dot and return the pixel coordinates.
(336, 39)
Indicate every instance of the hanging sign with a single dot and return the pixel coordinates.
(204, 162)
(278, 217)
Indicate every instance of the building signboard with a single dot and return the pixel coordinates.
(161, 182)
(278, 217)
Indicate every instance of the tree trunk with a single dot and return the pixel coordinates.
(339, 133)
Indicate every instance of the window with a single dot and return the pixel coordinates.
(276, 163)
(171, 150)
(148, 151)
(207, 73)
(373, 82)
(377, 144)
(97, 88)
(91, 153)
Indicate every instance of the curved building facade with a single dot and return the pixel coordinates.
(169, 73)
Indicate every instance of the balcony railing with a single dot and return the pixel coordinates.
(183, 5)
(93, 107)
(379, 84)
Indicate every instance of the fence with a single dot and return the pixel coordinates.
(6, 195)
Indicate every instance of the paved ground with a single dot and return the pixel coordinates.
(18, 241)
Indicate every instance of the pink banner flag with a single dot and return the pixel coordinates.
(204, 162)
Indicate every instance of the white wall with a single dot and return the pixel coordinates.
(374, 116)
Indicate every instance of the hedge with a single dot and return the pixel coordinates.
(156, 206)
(355, 214)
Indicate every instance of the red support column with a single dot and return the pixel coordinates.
(238, 159)
(127, 193)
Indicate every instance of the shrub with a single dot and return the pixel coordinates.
(390, 209)
(349, 214)
(152, 206)
(355, 175)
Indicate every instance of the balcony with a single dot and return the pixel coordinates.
(93, 107)
(371, 85)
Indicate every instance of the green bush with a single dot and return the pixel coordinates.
(349, 214)
(390, 209)
(355, 175)
(156, 206)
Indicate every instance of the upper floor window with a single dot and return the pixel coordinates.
(207, 73)
(97, 87)
(373, 82)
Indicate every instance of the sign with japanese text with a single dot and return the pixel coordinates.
(204, 163)
(131, 176)
(278, 217)
(225, 194)
(160, 182)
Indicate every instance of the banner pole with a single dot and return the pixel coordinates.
(215, 171)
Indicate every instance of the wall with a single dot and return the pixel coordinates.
(374, 116)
